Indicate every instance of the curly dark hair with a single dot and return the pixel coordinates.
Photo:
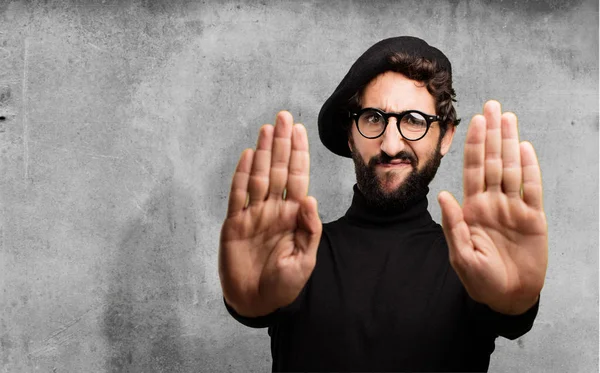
(437, 81)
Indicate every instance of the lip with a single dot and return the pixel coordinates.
(394, 165)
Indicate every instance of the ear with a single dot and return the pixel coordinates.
(350, 141)
(447, 139)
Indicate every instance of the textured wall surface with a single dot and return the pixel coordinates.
(121, 123)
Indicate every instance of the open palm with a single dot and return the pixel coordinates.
(498, 239)
(270, 236)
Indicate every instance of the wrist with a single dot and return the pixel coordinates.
(517, 308)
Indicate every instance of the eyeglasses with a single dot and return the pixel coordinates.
(412, 124)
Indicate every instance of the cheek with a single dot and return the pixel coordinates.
(425, 153)
(364, 147)
(370, 150)
(424, 150)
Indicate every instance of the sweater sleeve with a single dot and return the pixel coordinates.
(273, 317)
(253, 322)
(507, 326)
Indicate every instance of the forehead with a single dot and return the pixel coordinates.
(394, 92)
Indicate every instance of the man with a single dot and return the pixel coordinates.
(385, 288)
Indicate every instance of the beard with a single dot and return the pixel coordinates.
(413, 188)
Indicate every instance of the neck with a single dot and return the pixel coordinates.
(364, 212)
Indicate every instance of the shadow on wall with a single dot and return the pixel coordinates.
(148, 282)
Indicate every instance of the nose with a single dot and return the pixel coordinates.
(392, 142)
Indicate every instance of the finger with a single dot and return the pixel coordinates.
(258, 185)
(282, 143)
(239, 185)
(297, 185)
(493, 146)
(511, 156)
(532, 177)
(473, 172)
(456, 231)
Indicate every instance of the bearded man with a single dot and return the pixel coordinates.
(385, 288)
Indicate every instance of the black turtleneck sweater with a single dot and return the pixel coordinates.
(384, 297)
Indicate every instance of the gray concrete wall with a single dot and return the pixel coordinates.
(121, 123)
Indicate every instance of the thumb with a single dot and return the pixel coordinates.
(456, 230)
(309, 216)
(452, 213)
(310, 223)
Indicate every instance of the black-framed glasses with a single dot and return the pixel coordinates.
(412, 124)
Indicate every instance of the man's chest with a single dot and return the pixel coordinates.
(381, 291)
(389, 306)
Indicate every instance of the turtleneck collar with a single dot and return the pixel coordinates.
(413, 216)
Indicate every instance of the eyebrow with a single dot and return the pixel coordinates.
(397, 112)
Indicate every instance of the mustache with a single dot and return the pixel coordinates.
(383, 158)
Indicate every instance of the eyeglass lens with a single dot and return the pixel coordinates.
(372, 124)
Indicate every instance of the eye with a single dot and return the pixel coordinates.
(371, 123)
(373, 118)
(415, 119)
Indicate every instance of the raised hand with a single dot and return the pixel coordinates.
(270, 236)
(498, 240)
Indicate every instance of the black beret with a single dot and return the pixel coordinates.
(333, 118)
